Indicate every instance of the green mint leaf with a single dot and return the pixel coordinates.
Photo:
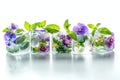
(27, 26)
(6, 30)
(96, 44)
(92, 26)
(66, 25)
(81, 38)
(19, 30)
(20, 40)
(91, 39)
(12, 50)
(11, 31)
(93, 32)
(82, 44)
(24, 45)
(99, 44)
(34, 26)
(42, 24)
(98, 24)
(52, 28)
(105, 30)
(35, 49)
(73, 35)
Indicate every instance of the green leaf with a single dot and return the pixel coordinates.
(81, 38)
(24, 45)
(34, 26)
(91, 40)
(52, 28)
(98, 24)
(105, 30)
(96, 44)
(6, 30)
(92, 26)
(12, 50)
(19, 30)
(93, 32)
(35, 49)
(99, 44)
(20, 39)
(42, 24)
(27, 26)
(42, 43)
(66, 25)
(73, 35)
(82, 44)
(11, 31)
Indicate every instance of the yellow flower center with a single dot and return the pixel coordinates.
(100, 39)
(55, 45)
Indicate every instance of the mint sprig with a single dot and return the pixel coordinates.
(27, 26)
(51, 28)
(93, 27)
(103, 30)
(30, 27)
(41, 24)
(72, 34)
(67, 25)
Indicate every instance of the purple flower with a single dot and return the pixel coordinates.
(80, 29)
(48, 48)
(68, 37)
(62, 36)
(13, 26)
(43, 30)
(67, 40)
(44, 37)
(47, 39)
(43, 49)
(39, 31)
(109, 42)
(9, 38)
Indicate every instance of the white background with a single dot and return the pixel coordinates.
(106, 12)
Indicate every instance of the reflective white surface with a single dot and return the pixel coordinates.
(87, 67)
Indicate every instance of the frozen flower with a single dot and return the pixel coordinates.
(80, 29)
(68, 37)
(9, 38)
(47, 39)
(109, 42)
(44, 35)
(44, 48)
(67, 41)
(13, 26)
(62, 36)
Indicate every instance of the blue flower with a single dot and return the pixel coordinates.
(80, 29)
(9, 38)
